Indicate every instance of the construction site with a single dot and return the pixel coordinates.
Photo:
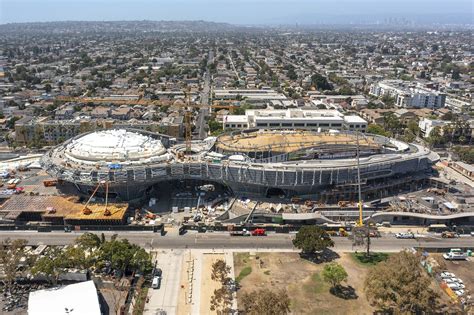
(121, 177)
(317, 165)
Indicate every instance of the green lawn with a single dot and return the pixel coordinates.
(244, 273)
(372, 260)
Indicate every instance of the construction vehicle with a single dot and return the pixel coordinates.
(259, 232)
(208, 187)
(11, 186)
(50, 182)
(86, 210)
(343, 232)
(447, 234)
(150, 215)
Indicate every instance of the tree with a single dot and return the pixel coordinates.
(400, 284)
(312, 239)
(266, 302)
(51, 265)
(124, 256)
(334, 274)
(47, 88)
(220, 272)
(221, 301)
(320, 82)
(11, 252)
(435, 137)
(377, 130)
(89, 241)
(391, 123)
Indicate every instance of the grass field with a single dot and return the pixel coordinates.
(371, 260)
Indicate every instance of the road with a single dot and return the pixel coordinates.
(166, 297)
(205, 95)
(223, 241)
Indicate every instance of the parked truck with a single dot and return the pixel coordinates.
(240, 233)
(259, 232)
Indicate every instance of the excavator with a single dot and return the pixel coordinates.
(87, 211)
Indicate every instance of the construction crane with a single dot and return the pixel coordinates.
(86, 210)
(360, 223)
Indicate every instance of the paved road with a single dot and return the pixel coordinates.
(205, 95)
(224, 241)
(166, 297)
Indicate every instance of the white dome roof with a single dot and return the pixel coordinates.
(114, 146)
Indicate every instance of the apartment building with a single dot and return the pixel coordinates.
(42, 130)
(409, 95)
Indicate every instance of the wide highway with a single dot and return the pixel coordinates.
(218, 240)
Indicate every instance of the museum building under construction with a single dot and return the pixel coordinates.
(287, 163)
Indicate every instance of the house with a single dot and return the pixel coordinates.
(121, 113)
(100, 112)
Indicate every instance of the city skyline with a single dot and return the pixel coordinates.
(244, 12)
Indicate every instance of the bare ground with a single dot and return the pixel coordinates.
(309, 294)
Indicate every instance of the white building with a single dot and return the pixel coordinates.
(79, 298)
(294, 118)
(458, 105)
(409, 95)
(250, 95)
(427, 125)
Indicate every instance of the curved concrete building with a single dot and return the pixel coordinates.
(250, 162)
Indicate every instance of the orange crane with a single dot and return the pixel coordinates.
(86, 210)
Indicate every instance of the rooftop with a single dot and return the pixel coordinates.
(79, 298)
(114, 145)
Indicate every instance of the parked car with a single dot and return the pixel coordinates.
(447, 275)
(454, 286)
(455, 256)
(155, 284)
(459, 292)
(158, 272)
(407, 235)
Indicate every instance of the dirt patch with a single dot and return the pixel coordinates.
(187, 273)
(207, 284)
(309, 294)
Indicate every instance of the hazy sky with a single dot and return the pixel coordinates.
(237, 11)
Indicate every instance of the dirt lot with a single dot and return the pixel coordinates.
(309, 294)
(207, 284)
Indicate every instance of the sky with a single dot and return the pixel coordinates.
(243, 12)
